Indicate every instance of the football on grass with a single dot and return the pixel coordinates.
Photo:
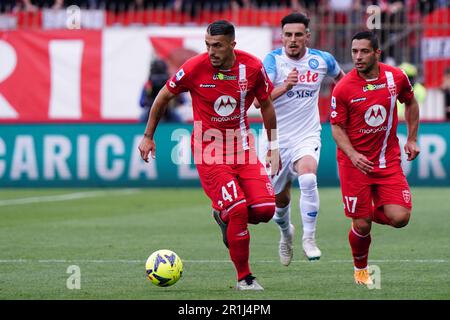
(164, 268)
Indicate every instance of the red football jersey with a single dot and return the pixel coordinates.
(221, 98)
(368, 112)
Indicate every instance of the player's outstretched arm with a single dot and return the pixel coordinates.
(270, 123)
(412, 123)
(343, 142)
(147, 144)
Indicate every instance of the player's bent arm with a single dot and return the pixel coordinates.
(288, 84)
(344, 143)
(412, 124)
(157, 110)
(279, 91)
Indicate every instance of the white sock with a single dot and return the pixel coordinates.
(309, 203)
(282, 217)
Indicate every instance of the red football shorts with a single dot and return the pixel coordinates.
(229, 184)
(362, 193)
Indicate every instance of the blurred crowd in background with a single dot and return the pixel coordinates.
(390, 7)
(333, 22)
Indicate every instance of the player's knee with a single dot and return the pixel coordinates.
(282, 200)
(362, 226)
(401, 221)
(238, 211)
(262, 213)
(307, 181)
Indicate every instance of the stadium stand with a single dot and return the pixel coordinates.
(411, 31)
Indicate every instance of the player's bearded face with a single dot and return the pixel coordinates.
(364, 56)
(220, 50)
(295, 37)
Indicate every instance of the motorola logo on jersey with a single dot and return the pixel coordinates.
(375, 115)
(225, 105)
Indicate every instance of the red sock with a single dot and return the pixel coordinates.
(239, 239)
(360, 248)
(379, 217)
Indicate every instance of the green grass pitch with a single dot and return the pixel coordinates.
(109, 233)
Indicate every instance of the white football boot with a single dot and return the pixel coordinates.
(249, 283)
(312, 252)
(285, 249)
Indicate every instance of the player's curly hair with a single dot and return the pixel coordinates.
(295, 17)
(221, 27)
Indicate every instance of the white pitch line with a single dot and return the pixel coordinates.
(65, 197)
(13, 261)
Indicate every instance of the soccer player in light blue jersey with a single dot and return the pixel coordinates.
(297, 73)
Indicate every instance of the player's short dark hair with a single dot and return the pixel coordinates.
(368, 35)
(295, 17)
(221, 27)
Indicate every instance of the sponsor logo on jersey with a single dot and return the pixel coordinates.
(301, 93)
(406, 195)
(221, 76)
(334, 114)
(179, 75)
(172, 84)
(358, 100)
(207, 85)
(372, 87)
(375, 115)
(333, 102)
(373, 130)
(225, 119)
(225, 105)
(308, 77)
(313, 63)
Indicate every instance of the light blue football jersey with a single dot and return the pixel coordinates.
(297, 110)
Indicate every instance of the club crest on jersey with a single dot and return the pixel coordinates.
(313, 63)
(243, 85)
(225, 105)
(375, 115)
(372, 87)
(406, 196)
(392, 89)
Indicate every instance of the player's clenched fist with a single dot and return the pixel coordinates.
(292, 79)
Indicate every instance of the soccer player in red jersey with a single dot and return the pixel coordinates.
(364, 126)
(223, 82)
